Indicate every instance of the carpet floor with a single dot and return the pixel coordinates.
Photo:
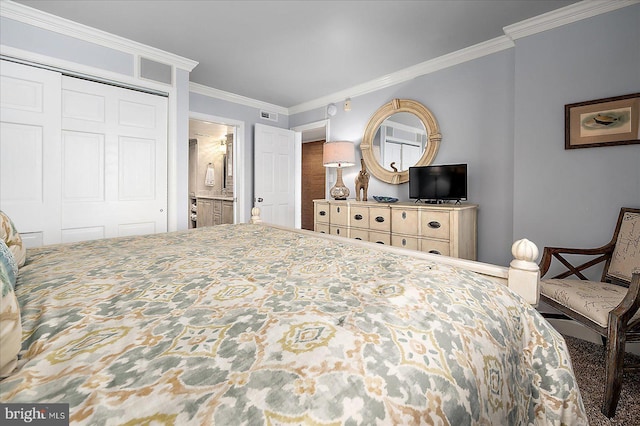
(588, 364)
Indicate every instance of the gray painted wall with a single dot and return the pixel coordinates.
(33, 39)
(572, 197)
(473, 103)
(503, 114)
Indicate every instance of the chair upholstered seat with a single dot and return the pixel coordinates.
(591, 299)
(610, 307)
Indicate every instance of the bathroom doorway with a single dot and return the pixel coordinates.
(211, 173)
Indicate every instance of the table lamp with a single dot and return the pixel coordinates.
(339, 154)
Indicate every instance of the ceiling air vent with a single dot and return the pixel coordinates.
(271, 116)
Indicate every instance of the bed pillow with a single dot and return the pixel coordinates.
(10, 324)
(8, 266)
(12, 238)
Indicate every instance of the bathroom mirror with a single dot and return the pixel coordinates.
(401, 134)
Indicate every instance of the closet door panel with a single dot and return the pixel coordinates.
(135, 114)
(83, 107)
(83, 167)
(128, 168)
(20, 94)
(136, 169)
(30, 183)
(82, 234)
(21, 151)
(83, 184)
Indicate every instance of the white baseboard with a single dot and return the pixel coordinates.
(574, 329)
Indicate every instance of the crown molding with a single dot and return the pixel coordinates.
(476, 51)
(47, 21)
(238, 99)
(563, 16)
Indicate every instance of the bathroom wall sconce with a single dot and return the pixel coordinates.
(223, 146)
(347, 104)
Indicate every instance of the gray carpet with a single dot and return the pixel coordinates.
(588, 365)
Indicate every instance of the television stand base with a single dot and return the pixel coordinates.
(420, 201)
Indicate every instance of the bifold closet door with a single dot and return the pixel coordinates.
(114, 161)
(30, 151)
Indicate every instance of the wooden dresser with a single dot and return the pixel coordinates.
(447, 229)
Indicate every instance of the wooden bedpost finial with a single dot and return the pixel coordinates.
(525, 253)
(255, 215)
(524, 274)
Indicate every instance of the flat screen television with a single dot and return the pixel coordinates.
(438, 183)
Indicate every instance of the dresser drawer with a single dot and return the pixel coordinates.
(322, 212)
(359, 234)
(339, 215)
(404, 221)
(404, 242)
(341, 231)
(434, 224)
(322, 228)
(359, 216)
(434, 246)
(380, 237)
(380, 219)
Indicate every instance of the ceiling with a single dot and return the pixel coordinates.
(290, 52)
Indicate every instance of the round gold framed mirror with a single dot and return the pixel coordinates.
(401, 134)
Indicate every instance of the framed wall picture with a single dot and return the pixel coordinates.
(603, 122)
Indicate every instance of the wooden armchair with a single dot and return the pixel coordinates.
(609, 307)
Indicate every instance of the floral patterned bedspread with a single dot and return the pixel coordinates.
(250, 324)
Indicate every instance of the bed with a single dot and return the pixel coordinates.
(257, 324)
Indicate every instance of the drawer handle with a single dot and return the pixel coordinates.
(358, 217)
(338, 209)
(379, 242)
(379, 219)
(404, 215)
(404, 241)
(434, 252)
(358, 238)
(322, 232)
(434, 225)
(322, 213)
(338, 231)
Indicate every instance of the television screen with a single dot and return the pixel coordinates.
(434, 183)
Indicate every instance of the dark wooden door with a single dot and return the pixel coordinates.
(313, 180)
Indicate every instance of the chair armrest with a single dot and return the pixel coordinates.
(549, 253)
(631, 302)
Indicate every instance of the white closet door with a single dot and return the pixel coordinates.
(29, 139)
(114, 161)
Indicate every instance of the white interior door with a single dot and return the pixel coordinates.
(29, 138)
(275, 161)
(114, 161)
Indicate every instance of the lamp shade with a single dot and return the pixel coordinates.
(338, 154)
